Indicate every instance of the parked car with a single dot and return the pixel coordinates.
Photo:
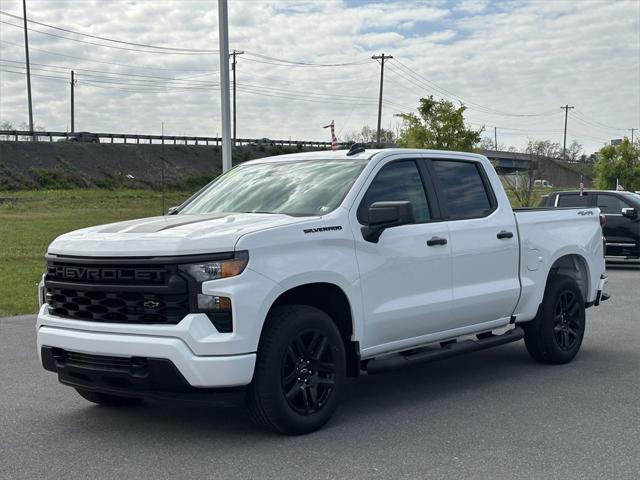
(262, 141)
(289, 273)
(84, 137)
(621, 210)
(542, 184)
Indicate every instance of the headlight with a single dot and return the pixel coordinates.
(205, 271)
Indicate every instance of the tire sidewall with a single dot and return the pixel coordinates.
(556, 287)
(269, 384)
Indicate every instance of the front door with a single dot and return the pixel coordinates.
(406, 275)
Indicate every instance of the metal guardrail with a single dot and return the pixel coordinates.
(129, 138)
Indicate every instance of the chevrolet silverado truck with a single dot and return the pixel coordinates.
(287, 274)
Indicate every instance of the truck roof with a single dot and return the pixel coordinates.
(367, 154)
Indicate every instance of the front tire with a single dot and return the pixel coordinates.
(299, 373)
(108, 400)
(556, 334)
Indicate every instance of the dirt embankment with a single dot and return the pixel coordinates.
(67, 164)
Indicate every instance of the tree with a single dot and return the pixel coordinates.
(369, 135)
(440, 125)
(618, 162)
(521, 184)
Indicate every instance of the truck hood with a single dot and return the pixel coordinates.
(167, 235)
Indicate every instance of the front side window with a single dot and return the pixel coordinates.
(399, 181)
(464, 189)
(608, 204)
(297, 188)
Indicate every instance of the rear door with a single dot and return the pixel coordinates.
(484, 243)
(621, 233)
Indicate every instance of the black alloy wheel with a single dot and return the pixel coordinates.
(555, 335)
(567, 320)
(308, 371)
(300, 371)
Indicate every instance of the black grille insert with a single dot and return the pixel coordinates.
(117, 307)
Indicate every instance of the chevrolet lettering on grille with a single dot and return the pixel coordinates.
(106, 274)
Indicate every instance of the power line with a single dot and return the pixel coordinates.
(102, 44)
(596, 123)
(306, 64)
(66, 68)
(460, 99)
(84, 59)
(192, 50)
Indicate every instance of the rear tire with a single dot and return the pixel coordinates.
(555, 335)
(299, 373)
(108, 400)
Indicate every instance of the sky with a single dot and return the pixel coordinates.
(512, 63)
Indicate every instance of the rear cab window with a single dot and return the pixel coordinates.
(573, 200)
(466, 190)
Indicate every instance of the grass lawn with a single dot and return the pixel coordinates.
(30, 220)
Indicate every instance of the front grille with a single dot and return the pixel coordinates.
(117, 307)
(116, 290)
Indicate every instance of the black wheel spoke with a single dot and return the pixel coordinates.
(299, 346)
(291, 377)
(308, 371)
(325, 367)
(313, 396)
(321, 348)
(293, 392)
(325, 381)
(305, 398)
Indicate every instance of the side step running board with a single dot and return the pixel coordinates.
(450, 349)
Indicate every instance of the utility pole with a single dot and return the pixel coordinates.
(73, 84)
(233, 69)
(495, 137)
(26, 54)
(632, 130)
(382, 59)
(566, 109)
(223, 38)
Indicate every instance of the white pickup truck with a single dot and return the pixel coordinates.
(287, 274)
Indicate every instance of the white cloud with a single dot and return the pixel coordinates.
(472, 6)
(520, 57)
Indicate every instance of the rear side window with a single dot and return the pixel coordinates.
(609, 204)
(573, 200)
(398, 181)
(464, 189)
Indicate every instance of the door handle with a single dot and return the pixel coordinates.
(504, 234)
(436, 241)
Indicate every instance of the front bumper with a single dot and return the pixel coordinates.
(200, 371)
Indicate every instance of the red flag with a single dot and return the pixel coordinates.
(334, 140)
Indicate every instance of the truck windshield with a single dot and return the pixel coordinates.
(297, 188)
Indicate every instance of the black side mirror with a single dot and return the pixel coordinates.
(172, 210)
(383, 215)
(631, 213)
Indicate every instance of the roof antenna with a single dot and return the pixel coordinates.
(355, 149)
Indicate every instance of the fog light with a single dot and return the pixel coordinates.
(213, 303)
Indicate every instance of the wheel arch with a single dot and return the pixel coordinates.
(331, 299)
(574, 266)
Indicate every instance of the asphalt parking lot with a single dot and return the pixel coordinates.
(488, 415)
